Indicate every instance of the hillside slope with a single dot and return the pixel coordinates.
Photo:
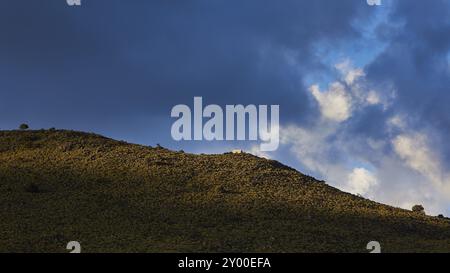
(60, 186)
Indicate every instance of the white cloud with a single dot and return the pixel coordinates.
(255, 150)
(361, 181)
(347, 95)
(397, 122)
(350, 74)
(411, 175)
(373, 98)
(309, 146)
(403, 187)
(325, 152)
(335, 103)
(402, 169)
(413, 149)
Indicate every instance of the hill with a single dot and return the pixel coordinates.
(59, 186)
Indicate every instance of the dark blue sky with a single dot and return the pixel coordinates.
(363, 90)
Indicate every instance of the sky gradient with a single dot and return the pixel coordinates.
(363, 90)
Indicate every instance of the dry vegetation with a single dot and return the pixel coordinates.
(59, 186)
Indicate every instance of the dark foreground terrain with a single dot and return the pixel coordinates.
(61, 186)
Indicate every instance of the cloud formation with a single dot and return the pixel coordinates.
(400, 168)
(361, 181)
(335, 103)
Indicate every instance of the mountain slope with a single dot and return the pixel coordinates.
(111, 196)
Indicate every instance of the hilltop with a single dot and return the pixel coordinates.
(58, 186)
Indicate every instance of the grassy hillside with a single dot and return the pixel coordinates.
(59, 186)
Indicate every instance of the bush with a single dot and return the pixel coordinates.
(418, 209)
(440, 216)
(23, 126)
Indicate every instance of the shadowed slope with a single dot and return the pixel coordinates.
(60, 186)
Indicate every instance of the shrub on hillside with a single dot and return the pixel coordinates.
(418, 209)
(23, 126)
